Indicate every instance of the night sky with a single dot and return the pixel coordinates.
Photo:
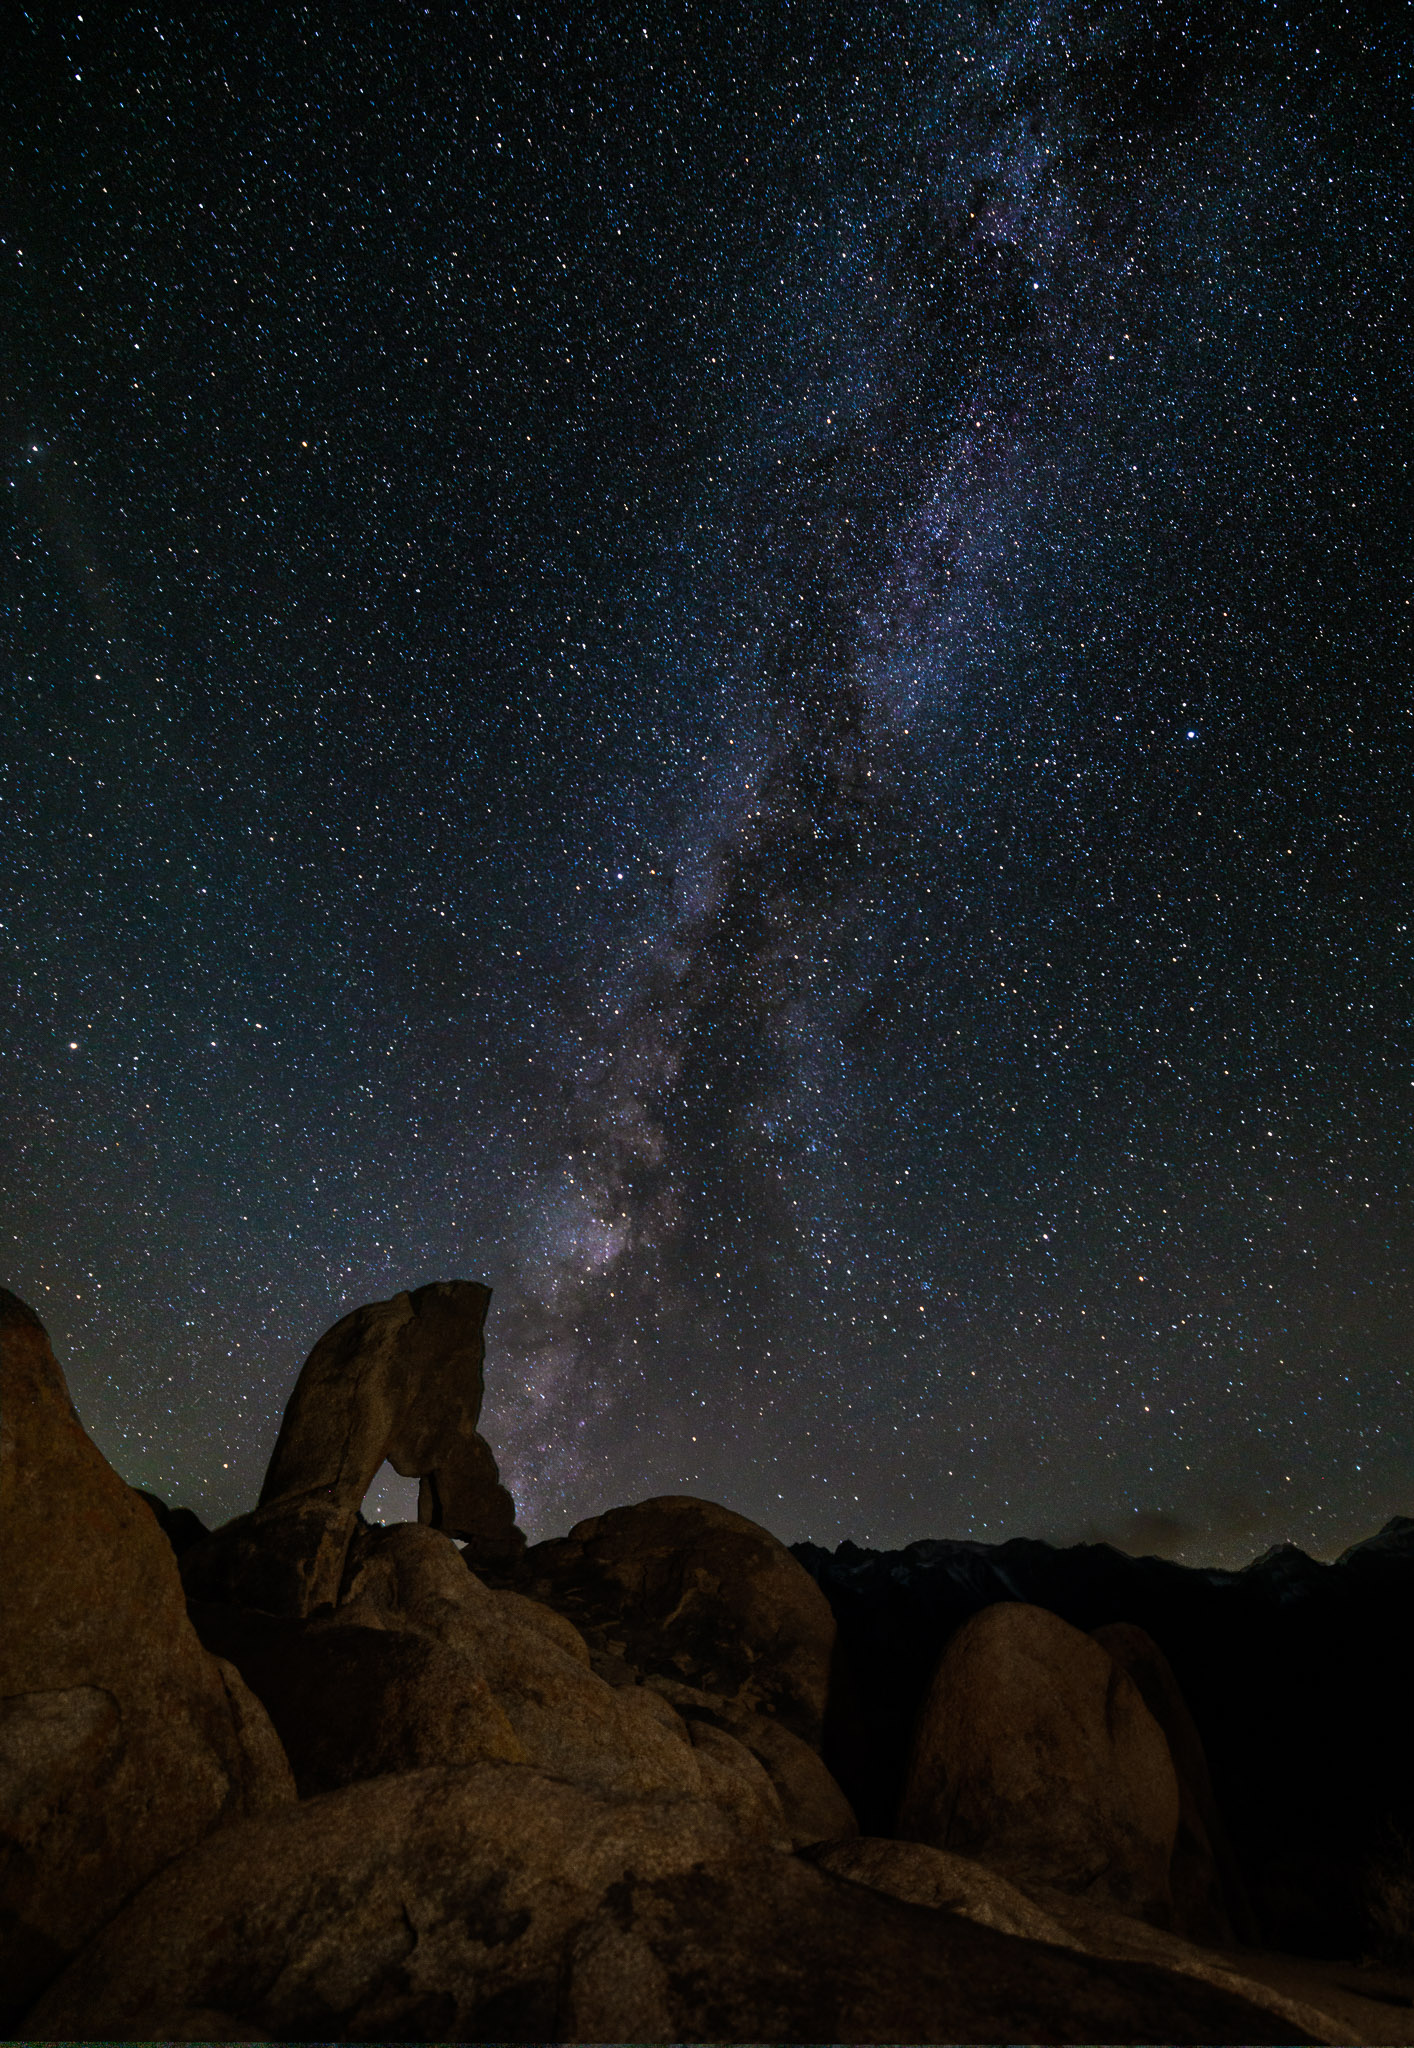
(746, 672)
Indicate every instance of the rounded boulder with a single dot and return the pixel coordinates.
(688, 1590)
(1035, 1753)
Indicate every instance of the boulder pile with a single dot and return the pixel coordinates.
(304, 1778)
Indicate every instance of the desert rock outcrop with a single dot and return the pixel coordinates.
(1295, 1673)
(575, 1795)
(357, 1702)
(568, 1720)
(684, 1589)
(934, 1877)
(122, 1742)
(429, 1904)
(766, 1947)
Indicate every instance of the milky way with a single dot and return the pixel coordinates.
(752, 681)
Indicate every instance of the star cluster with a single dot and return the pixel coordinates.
(747, 672)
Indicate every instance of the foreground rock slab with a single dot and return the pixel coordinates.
(934, 1877)
(122, 1742)
(432, 1903)
(494, 1903)
(769, 1948)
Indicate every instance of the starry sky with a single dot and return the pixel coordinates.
(745, 671)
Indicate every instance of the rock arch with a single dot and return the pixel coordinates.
(397, 1380)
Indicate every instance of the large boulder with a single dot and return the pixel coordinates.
(1210, 1901)
(493, 1903)
(122, 1742)
(423, 1664)
(1035, 1753)
(431, 1904)
(399, 1382)
(687, 1590)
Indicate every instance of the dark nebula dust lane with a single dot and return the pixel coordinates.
(751, 679)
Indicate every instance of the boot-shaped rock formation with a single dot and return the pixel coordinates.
(495, 1902)
(397, 1381)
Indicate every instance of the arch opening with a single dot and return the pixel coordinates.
(390, 1497)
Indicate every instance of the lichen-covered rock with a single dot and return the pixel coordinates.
(1035, 1753)
(122, 1742)
(690, 1591)
(397, 1381)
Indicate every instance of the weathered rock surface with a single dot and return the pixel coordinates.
(1209, 1897)
(397, 1381)
(814, 1807)
(287, 1558)
(685, 1589)
(768, 1948)
(356, 1702)
(925, 1876)
(494, 1903)
(737, 1781)
(1035, 1753)
(400, 1380)
(553, 1797)
(431, 1904)
(935, 1877)
(567, 1720)
(122, 1742)
(1089, 1927)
